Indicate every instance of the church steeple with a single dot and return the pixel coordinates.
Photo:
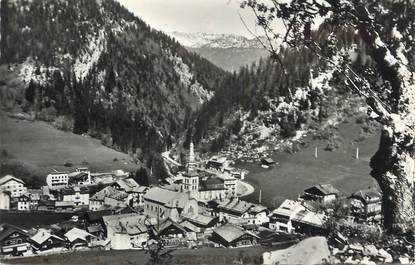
(190, 178)
(191, 165)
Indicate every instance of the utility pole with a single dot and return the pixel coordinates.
(260, 197)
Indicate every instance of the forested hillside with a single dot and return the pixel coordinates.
(93, 67)
(299, 92)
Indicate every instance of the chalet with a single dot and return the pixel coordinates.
(230, 184)
(162, 203)
(13, 240)
(199, 226)
(218, 163)
(57, 180)
(96, 230)
(133, 189)
(44, 240)
(233, 236)
(64, 206)
(81, 177)
(172, 233)
(108, 196)
(309, 223)
(23, 202)
(242, 212)
(212, 188)
(4, 200)
(267, 161)
(35, 196)
(281, 218)
(78, 238)
(79, 196)
(15, 186)
(323, 193)
(366, 204)
(127, 231)
(95, 217)
(46, 204)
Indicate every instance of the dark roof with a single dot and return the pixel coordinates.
(231, 233)
(169, 223)
(367, 195)
(322, 189)
(97, 215)
(8, 229)
(267, 160)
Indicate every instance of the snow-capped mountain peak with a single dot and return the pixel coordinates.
(210, 40)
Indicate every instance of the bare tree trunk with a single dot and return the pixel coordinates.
(393, 168)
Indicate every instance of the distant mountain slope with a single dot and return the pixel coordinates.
(228, 51)
(104, 70)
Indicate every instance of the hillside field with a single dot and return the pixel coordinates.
(301, 170)
(40, 148)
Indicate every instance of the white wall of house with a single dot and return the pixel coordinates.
(15, 188)
(4, 201)
(78, 198)
(125, 241)
(95, 205)
(57, 180)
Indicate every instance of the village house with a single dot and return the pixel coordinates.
(35, 196)
(162, 203)
(23, 202)
(4, 200)
(323, 193)
(267, 162)
(127, 231)
(78, 238)
(366, 204)
(64, 206)
(133, 189)
(110, 197)
(13, 240)
(242, 212)
(81, 177)
(57, 180)
(15, 186)
(309, 223)
(79, 196)
(199, 226)
(172, 233)
(44, 240)
(230, 184)
(218, 163)
(211, 188)
(233, 236)
(281, 218)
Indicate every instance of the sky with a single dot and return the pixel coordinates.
(208, 16)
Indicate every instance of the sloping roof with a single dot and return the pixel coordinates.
(367, 195)
(288, 208)
(168, 223)
(97, 215)
(42, 235)
(311, 218)
(191, 227)
(76, 233)
(8, 229)
(109, 192)
(234, 205)
(167, 197)
(128, 184)
(8, 178)
(322, 189)
(200, 219)
(257, 208)
(131, 224)
(231, 232)
(95, 228)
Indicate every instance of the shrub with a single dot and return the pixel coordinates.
(63, 123)
(68, 164)
(47, 114)
(107, 140)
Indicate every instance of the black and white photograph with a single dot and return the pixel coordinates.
(207, 132)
